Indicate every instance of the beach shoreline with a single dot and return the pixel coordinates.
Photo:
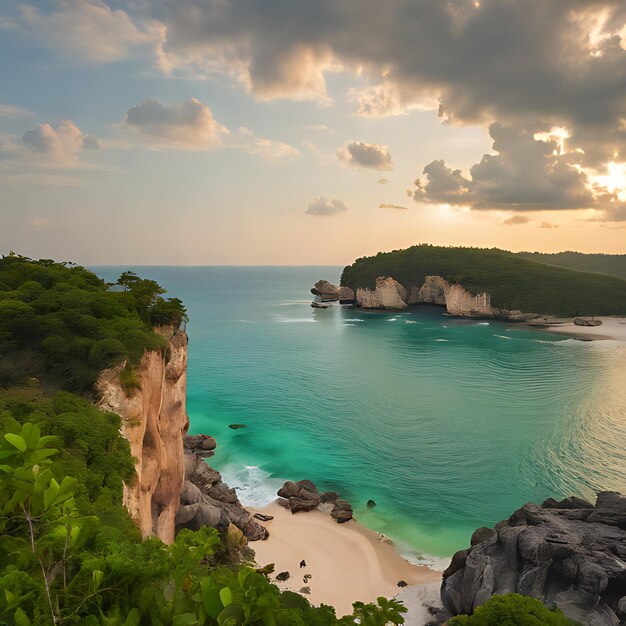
(347, 562)
(612, 328)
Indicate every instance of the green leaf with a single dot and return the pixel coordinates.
(185, 619)
(226, 596)
(16, 441)
(133, 618)
(21, 619)
(50, 494)
(211, 598)
(97, 577)
(231, 615)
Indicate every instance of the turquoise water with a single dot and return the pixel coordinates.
(447, 424)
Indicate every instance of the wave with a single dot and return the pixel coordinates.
(295, 321)
(255, 487)
(247, 321)
(503, 337)
(482, 324)
(442, 340)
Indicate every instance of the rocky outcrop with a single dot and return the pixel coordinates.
(569, 553)
(388, 294)
(587, 321)
(207, 501)
(325, 291)
(154, 420)
(346, 295)
(305, 496)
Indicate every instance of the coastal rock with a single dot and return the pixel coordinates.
(154, 420)
(342, 511)
(329, 496)
(325, 291)
(388, 294)
(200, 444)
(204, 486)
(433, 291)
(302, 495)
(568, 553)
(346, 295)
(587, 321)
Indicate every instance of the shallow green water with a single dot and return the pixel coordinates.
(447, 424)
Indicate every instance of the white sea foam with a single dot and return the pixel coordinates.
(247, 321)
(411, 322)
(482, 324)
(443, 326)
(255, 487)
(441, 339)
(295, 321)
(503, 337)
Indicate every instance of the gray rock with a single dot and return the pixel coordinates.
(203, 445)
(567, 553)
(325, 291)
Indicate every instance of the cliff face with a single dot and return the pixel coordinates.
(154, 420)
(390, 294)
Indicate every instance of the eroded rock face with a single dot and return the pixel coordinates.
(207, 501)
(325, 291)
(388, 294)
(154, 420)
(569, 553)
(346, 295)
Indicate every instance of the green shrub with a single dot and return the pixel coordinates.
(129, 379)
(513, 610)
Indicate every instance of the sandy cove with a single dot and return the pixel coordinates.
(347, 562)
(611, 328)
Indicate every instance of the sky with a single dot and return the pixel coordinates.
(279, 132)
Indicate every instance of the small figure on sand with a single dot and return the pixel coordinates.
(302, 563)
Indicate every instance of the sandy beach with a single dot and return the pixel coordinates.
(347, 562)
(611, 328)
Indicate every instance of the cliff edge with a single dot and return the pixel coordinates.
(154, 420)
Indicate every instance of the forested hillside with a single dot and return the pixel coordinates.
(513, 282)
(612, 264)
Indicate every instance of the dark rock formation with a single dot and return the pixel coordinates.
(302, 495)
(342, 511)
(207, 501)
(329, 496)
(325, 291)
(587, 321)
(283, 576)
(371, 504)
(568, 553)
(236, 426)
(203, 445)
(263, 517)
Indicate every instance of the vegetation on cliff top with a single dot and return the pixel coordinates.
(513, 282)
(611, 264)
(69, 552)
(61, 322)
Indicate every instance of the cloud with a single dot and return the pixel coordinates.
(386, 205)
(8, 110)
(515, 220)
(39, 222)
(268, 149)
(526, 174)
(382, 181)
(549, 63)
(323, 206)
(548, 225)
(371, 155)
(189, 125)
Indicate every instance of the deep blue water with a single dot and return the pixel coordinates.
(447, 424)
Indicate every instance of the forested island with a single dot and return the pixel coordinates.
(484, 283)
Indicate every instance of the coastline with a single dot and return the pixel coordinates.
(347, 562)
(612, 328)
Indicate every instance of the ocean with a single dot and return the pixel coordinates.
(447, 424)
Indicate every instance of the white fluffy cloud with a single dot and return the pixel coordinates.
(370, 155)
(325, 207)
(189, 125)
(390, 205)
(61, 145)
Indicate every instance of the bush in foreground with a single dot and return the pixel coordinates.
(513, 610)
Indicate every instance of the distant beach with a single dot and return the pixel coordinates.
(611, 328)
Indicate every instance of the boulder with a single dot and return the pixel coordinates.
(387, 294)
(569, 553)
(203, 445)
(302, 495)
(346, 295)
(371, 504)
(342, 511)
(329, 496)
(587, 321)
(325, 291)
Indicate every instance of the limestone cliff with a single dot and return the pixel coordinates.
(154, 420)
(390, 294)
